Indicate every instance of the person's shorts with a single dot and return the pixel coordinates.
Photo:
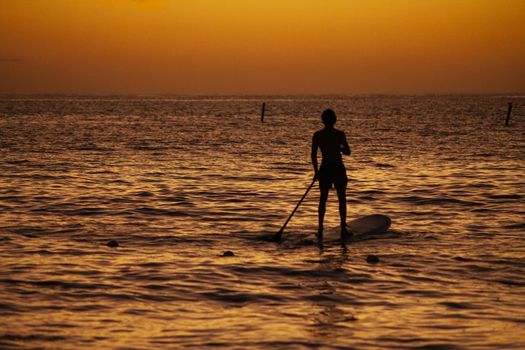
(332, 175)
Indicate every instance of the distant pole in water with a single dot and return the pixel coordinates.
(508, 114)
(263, 109)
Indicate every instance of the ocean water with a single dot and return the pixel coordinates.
(179, 180)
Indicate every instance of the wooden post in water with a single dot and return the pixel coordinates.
(508, 114)
(263, 109)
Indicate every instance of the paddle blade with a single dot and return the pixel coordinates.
(277, 237)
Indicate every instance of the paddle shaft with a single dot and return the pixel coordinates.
(297, 206)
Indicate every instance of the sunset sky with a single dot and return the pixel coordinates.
(262, 46)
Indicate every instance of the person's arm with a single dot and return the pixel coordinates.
(345, 148)
(315, 145)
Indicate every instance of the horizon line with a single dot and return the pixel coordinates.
(335, 94)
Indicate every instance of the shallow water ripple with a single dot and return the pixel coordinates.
(178, 181)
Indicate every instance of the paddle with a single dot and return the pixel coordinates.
(277, 236)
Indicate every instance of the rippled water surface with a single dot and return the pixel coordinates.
(177, 181)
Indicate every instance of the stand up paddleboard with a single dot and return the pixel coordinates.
(369, 225)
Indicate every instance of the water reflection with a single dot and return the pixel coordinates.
(331, 319)
(177, 183)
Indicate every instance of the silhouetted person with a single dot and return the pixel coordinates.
(332, 143)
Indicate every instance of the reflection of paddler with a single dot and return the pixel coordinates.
(332, 143)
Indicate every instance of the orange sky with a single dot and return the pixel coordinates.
(262, 46)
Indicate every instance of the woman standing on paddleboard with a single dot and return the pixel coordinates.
(332, 143)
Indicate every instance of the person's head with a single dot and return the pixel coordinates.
(328, 117)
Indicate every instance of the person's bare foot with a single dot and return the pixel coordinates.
(344, 233)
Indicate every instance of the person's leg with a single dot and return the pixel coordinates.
(322, 208)
(341, 196)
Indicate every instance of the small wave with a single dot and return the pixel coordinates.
(160, 212)
(8, 308)
(332, 298)
(91, 148)
(32, 337)
(371, 192)
(30, 232)
(230, 296)
(422, 293)
(100, 172)
(70, 285)
(460, 305)
(481, 185)
(438, 347)
(384, 165)
(149, 148)
(438, 201)
(88, 211)
(460, 258)
(510, 282)
(504, 196)
(17, 161)
(43, 177)
(336, 273)
(16, 199)
(144, 194)
(517, 226)
(39, 252)
(367, 198)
